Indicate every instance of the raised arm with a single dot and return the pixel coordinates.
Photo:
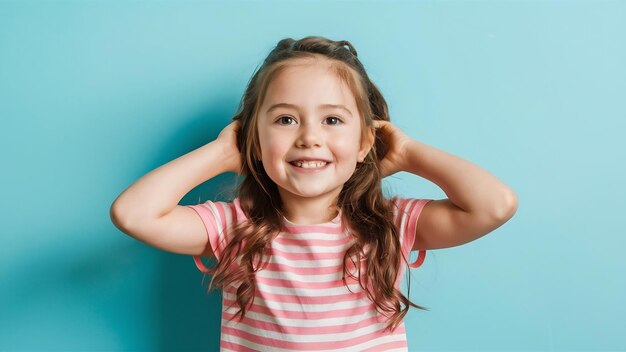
(148, 209)
(477, 203)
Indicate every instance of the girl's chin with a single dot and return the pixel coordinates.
(309, 191)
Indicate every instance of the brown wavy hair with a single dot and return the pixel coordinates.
(365, 211)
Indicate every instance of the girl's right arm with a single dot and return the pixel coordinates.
(148, 209)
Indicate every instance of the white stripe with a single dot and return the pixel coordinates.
(216, 215)
(313, 235)
(311, 249)
(308, 307)
(309, 292)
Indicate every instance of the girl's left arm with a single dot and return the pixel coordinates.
(477, 203)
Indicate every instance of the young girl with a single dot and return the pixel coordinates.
(310, 254)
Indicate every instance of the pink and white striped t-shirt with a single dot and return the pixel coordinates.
(301, 302)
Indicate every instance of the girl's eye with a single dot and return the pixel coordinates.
(284, 119)
(287, 120)
(333, 118)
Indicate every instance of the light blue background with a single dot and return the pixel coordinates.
(93, 95)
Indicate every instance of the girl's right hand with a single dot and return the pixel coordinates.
(228, 139)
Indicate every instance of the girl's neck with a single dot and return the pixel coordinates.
(309, 210)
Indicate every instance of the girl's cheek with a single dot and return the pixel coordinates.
(276, 151)
(346, 146)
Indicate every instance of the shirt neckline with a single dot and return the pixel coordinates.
(334, 221)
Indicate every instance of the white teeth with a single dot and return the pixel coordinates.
(310, 164)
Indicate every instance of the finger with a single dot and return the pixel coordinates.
(379, 123)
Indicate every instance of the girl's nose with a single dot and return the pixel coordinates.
(309, 136)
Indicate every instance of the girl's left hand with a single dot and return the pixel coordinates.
(397, 143)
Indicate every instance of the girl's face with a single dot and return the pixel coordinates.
(297, 123)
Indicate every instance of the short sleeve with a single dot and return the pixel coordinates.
(218, 219)
(406, 211)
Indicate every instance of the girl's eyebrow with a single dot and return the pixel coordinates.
(321, 106)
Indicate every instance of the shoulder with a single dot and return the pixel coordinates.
(403, 206)
(226, 212)
(406, 212)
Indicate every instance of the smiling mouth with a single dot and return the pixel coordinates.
(308, 164)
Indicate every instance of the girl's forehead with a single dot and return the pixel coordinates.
(308, 84)
(308, 68)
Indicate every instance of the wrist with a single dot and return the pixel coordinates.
(230, 156)
(403, 160)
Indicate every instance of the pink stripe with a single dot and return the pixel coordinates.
(334, 269)
(273, 297)
(259, 325)
(306, 346)
(303, 284)
(292, 314)
(215, 236)
(235, 346)
(312, 229)
(200, 264)
(387, 346)
(414, 215)
(304, 256)
(211, 228)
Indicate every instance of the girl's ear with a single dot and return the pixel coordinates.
(366, 145)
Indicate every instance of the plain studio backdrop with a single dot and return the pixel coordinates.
(95, 94)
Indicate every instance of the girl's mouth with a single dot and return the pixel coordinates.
(309, 164)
